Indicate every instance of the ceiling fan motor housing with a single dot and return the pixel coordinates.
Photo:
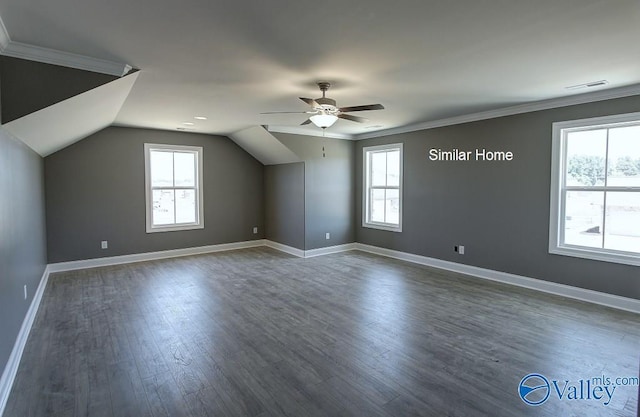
(325, 101)
(328, 104)
(325, 112)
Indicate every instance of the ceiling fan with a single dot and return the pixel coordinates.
(325, 112)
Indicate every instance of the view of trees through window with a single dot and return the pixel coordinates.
(590, 170)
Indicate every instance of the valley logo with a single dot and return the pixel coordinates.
(535, 389)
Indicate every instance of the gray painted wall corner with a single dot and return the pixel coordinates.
(22, 236)
(285, 204)
(30, 86)
(329, 188)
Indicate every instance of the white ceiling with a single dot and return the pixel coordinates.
(423, 60)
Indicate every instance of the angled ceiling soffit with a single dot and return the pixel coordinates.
(263, 146)
(62, 124)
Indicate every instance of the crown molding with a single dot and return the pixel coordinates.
(56, 57)
(64, 59)
(307, 132)
(4, 36)
(553, 103)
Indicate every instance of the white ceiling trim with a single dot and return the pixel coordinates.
(65, 59)
(55, 57)
(308, 132)
(553, 103)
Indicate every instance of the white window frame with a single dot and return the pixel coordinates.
(559, 189)
(199, 223)
(366, 189)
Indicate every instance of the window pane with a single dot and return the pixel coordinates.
(393, 168)
(161, 168)
(624, 157)
(378, 168)
(185, 169)
(185, 206)
(393, 206)
(586, 153)
(377, 206)
(622, 231)
(583, 218)
(163, 207)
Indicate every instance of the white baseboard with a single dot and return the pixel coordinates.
(11, 369)
(329, 249)
(309, 253)
(284, 248)
(152, 256)
(199, 250)
(596, 297)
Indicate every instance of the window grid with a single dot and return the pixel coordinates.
(607, 249)
(175, 187)
(370, 188)
(156, 226)
(604, 189)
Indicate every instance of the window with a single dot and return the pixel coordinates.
(382, 200)
(173, 179)
(595, 189)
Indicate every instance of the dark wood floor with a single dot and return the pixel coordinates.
(259, 333)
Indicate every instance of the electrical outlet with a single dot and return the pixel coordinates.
(255, 230)
(104, 244)
(327, 235)
(25, 292)
(461, 250)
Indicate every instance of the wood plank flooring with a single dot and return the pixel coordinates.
(259, 333)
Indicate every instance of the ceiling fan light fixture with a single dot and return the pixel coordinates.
(323, 120)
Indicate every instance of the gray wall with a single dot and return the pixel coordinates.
(29, 86)
(284, 204)
(498, 210)
(329, 188)
(22, 236)
(95, 191)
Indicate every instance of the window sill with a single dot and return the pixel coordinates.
(388, 228)
(597, 255)
(172, 228)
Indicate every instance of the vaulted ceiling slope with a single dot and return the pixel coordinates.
(263, 146)
(424, 60)
(50, 107)
(28, 86)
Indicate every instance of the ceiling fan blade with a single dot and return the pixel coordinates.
(310, 102)
(352, 118)
(286, 112)
(362, 108)
(306, 122)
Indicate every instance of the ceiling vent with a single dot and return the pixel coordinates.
(588, 85)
